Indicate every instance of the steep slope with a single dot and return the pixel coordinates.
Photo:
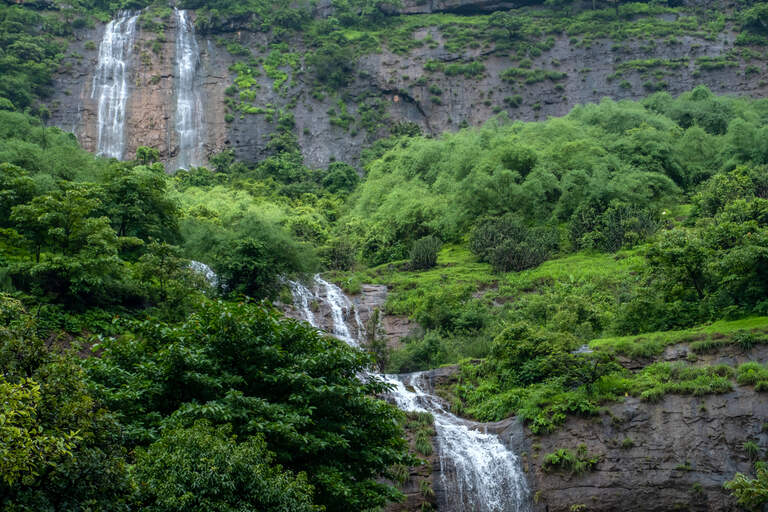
(435, 72)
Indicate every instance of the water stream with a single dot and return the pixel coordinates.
(478, 472)
(207, 272)
(110, 83)
(189, 105)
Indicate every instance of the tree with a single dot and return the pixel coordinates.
(57, 221)
(83, 265)
(16, 187)
(681, 258)
(25, 450)
(59, 448)
(137, 202)
(245, 365)
(508, 22)
(166, 277)
(146, 155)
(340, 178)
(204, 468)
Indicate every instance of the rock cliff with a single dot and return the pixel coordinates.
(671, 455)
(398, 82)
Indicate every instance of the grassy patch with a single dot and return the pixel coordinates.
(705, 338)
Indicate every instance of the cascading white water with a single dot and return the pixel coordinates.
(340, 307)
(302, 296)
(206, 271)
(189, 104)
(479, 473)
(110, 83)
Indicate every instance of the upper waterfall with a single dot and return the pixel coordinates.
(110, 83)
(189, 104)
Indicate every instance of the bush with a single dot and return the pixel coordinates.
(610, 228)
(508, 243)
(333, 65)
(565, 460)
(424, 252)
(750, 493)
(237, 475)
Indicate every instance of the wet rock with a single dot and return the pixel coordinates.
(672, 455)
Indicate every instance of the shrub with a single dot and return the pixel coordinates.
(333, 64)
(424, 252)
(750, 493)
(751, 373)
(565, 460)
(514, 101)
(751, 449)
(508, 243)
(627, 443)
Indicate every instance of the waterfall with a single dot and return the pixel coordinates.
(340, 307)
(110, 83)
(479, 473)
(302, 297)
(207, 272)
(189, 105)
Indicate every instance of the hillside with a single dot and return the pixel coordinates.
(340, 80)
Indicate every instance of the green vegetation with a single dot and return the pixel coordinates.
(538, 257)
(605, 255)
(565, 460)
(531, 76)
(124, 370)
(751, 493)
(703, 338)
(424, 252)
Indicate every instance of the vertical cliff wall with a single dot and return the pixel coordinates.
(153, 83)
(389, 87)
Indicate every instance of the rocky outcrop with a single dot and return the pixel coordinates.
(399, 81)
(731, 355)
(450, 6)
(151, 104)
(368, 304)
(671, 455)
(421, 477)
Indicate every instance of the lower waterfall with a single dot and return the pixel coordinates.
(478, 472)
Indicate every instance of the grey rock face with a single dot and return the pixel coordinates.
(387, 77)
(682, 450)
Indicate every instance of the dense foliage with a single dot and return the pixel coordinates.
(531, 254)
(110, 403)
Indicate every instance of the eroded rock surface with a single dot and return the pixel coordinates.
(671, 455)
(391, 78)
